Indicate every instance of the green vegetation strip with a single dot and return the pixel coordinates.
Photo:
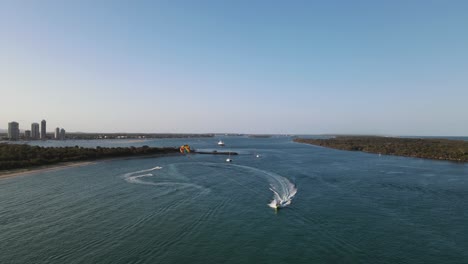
(15, 156)
(440, 149)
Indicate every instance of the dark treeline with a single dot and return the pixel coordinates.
(428, 148)
(15, 156)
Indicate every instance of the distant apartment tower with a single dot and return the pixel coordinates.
(62, 134)
(27, 134)
(57, 133)
(43, 130)
(34, 131)
(13, 130)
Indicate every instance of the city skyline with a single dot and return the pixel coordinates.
(366, 67)
(36, 131)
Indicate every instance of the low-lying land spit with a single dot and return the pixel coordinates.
(427, 148)
(15, 156)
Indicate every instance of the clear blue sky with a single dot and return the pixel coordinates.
(372, 67)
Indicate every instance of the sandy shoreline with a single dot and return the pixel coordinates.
(27, 171)
(66, 165)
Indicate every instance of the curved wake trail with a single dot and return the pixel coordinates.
(136, 178)
(282, 199)
(132, 178)
(283, 190)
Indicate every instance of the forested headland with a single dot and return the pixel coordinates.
(428, 148)
(16, 156)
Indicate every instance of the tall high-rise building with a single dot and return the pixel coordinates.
(57, 133)
(62, 134)
(34, 131)
(43, 130)
(27, 134)
(13, 130)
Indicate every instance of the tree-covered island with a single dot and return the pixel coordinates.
(427, 148)
(16, 156)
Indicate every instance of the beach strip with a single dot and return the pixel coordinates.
(47, 168)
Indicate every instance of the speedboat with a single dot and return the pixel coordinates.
(281, 204)
(277, 207)
(220, 143)
(229, 158)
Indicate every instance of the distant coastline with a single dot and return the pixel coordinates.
(260, 136)
(426, 148)
(129, 136)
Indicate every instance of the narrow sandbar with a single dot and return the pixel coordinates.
(47, 168)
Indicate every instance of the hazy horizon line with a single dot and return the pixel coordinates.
(246, 133)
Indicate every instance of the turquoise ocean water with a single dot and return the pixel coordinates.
(350, 207)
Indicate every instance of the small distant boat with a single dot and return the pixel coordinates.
(277, 206)
(229, 158)
(220, 143)
(280, 204)
(258, 156)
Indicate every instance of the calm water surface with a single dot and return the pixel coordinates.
(350, 207)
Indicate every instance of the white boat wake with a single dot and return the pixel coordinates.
(136, 178)
(282, 199)
(132, 178)
(283, 190)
